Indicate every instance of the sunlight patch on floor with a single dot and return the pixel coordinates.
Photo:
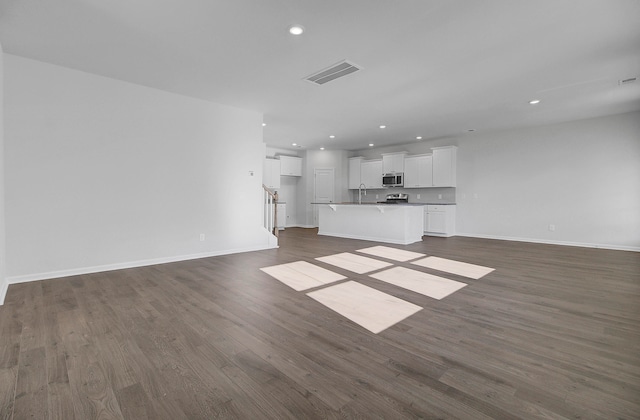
(370, 308)
(352, 262)
(419, 282)
(391, 253)
(471, 271)
(301, 275)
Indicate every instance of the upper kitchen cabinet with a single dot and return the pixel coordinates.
(290, 166)
(371, 174)
(354, 172)
(271, 173)
(418, 171)
(444, 166)
(393, 162)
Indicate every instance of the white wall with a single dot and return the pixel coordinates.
(3, 281)
(103, 174)
(582, 176)
(322, 159)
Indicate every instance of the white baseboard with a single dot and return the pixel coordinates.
(549, 242)
(4, 286)
(130, 264)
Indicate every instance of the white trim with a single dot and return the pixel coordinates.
(3, 291)
(550, 242)
(440, 235)
(131, 264)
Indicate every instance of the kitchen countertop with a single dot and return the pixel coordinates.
(388, 204)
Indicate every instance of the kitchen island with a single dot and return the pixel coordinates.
(392, 223)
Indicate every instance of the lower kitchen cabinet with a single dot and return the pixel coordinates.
(281, 219)
(440, 220)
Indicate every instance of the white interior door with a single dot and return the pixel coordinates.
(324, 189)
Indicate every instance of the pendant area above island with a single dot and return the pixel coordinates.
(391, 223)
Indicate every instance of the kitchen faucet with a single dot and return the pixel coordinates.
(360, 187)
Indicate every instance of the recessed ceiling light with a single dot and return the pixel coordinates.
(294, 144)
(534, 101)
(322, 148)
(383, 126)
(419, 138)
(296, 29)
(264, 124)
(370, 144)
(332, 137)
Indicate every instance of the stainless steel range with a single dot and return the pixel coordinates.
(398, 198)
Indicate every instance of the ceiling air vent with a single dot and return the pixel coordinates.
(627, 81)
(334, 72)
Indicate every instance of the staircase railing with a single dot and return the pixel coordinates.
(270, 210)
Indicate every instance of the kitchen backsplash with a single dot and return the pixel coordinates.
(427, 195)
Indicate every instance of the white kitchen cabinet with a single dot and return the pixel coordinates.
(281, 217)
(444, 166)
(354, 172)
(418, 171)
(390, 224)
(271, 173)
(371, 173)
(440, 220)
(290, 166)
(393, 162)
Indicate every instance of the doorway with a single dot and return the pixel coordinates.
(323, 189)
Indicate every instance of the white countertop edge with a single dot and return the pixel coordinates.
(391, 205)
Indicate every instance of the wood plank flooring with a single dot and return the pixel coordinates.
(553, 332)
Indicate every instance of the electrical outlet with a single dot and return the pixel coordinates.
(439, 196)
(376, 196)
(418, 196)
(552, 228)
(201, 237)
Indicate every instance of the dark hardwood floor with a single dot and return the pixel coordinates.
(553, 332)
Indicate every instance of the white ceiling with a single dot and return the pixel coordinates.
(431, 68)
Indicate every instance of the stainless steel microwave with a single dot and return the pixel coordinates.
(395, 179)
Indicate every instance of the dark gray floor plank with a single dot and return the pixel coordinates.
(8, 379)
(31, 386)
